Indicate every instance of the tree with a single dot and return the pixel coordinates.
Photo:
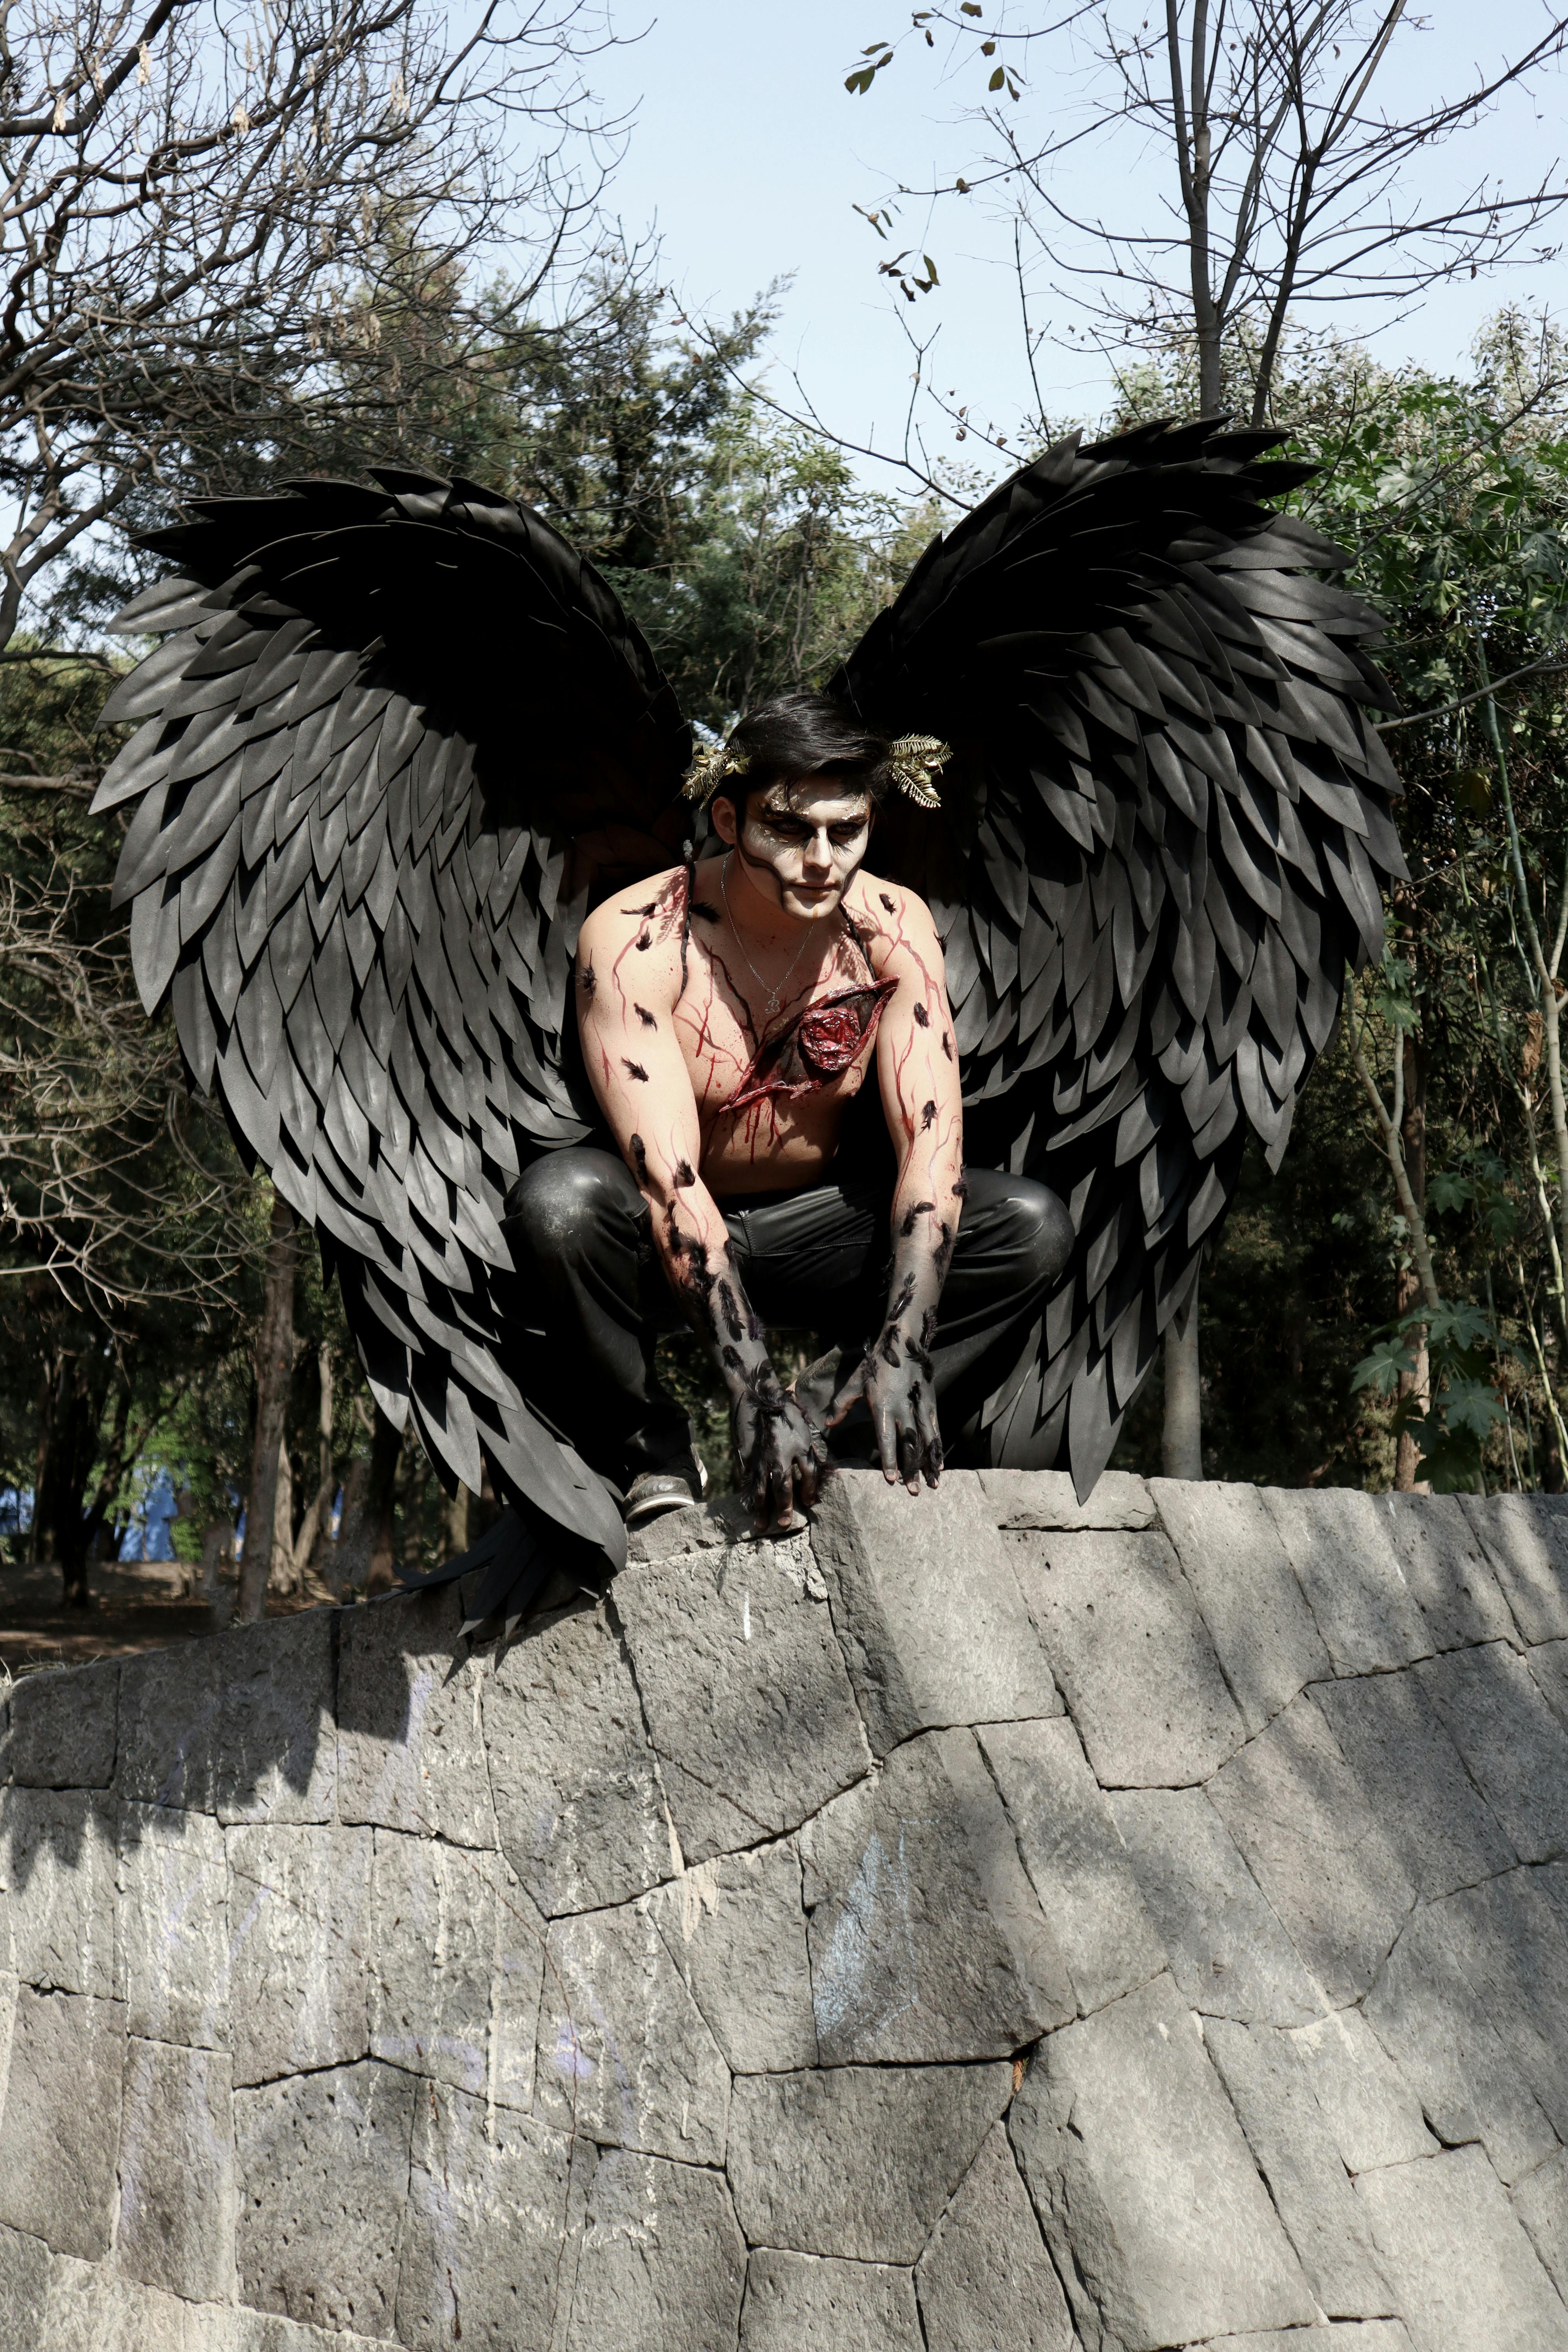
(199, 207)
(1285, 183)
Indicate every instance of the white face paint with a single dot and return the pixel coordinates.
(802, 845)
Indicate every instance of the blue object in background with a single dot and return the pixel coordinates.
(151, 1516)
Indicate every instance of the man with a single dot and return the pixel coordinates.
(732, 1018)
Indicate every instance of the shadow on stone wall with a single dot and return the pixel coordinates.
(988, 1921)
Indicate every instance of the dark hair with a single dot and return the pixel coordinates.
(799, 735)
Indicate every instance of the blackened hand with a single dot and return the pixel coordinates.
(783, 1453)
(904, 1414)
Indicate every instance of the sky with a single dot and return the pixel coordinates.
(748, 157)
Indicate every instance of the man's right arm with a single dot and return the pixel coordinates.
(640, 1079)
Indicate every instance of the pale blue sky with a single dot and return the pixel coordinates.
(749, 156)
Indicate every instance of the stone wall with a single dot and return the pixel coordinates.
(989, 1926)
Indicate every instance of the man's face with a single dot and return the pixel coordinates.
(802, 843)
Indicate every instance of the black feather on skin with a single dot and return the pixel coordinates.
(922, 1018)
(645, 1016)
(634, 1070)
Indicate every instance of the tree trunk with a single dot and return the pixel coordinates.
(416, 1479)
(1181, 1441)
(365, 1542)
(60, 1509)
(274, 1369)
(306, 1568)
(456, 1517)
(1407, 1293)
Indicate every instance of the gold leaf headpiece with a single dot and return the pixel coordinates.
(915, 761)
(708, 770)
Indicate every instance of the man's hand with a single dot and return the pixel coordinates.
(902, 1406)
(783, 1453)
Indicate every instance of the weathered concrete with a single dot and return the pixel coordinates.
(991, 1923)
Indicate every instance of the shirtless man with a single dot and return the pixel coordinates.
(731, 1021)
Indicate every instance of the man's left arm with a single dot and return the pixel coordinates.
(917, 1068)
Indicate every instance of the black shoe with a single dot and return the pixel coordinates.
(656, 1492)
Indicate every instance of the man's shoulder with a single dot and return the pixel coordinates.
(890, 910)
(646, 918)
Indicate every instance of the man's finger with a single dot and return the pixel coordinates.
(932, 1437)
(909, 1451)
(888, 1444)
(847, 1398)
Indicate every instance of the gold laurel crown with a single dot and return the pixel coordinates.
(913, 764)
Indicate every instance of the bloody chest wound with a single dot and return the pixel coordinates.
(813, 1048)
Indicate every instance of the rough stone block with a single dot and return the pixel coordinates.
(743, 1689)
(1296, 2156)
(1516, 1750)
(1526, 1541)
(1047, 1499)
(857, 2161)
(927, 1940)
(1263, 1633)
(1344, 1556)
(623, 2053)
(1446, 1567)
(299, 1924)
(662, 2263)
(735, 1929)
(411, 1750)
(1133, 1657)
(323, 2178)
(275, 1747)
(1372, 2115)
(1549, 1669)
(457, 1953)
(1497, 2298)
(482, 2230)
(577, 1790)
(173, 1966)
(240, 2330)
(61, 1865)
(807, 2303)
(168, 1727)
(986, 2281)
(24, 2289)
(63, 1727)
(1075, 1856)
(927, 1606)
(1541, 2201)
(1442, 1830)
(1149, 2196)
(1356, 2336)
(89, 2310)
(178, 2208)
(1323, 1859)
(62, 2121)
(1228, 1953)
(1473, 2008)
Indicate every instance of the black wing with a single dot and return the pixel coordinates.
(396, 740)
(1165, 833)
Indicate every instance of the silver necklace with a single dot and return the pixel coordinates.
(775, 995)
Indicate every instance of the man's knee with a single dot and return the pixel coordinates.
(1039, 1234)
(558, 1205)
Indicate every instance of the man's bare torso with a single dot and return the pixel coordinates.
(693, 970)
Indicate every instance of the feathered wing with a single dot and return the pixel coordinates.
(1164, 834)
(394, 740)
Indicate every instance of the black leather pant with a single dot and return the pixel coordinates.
(592, 1300)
